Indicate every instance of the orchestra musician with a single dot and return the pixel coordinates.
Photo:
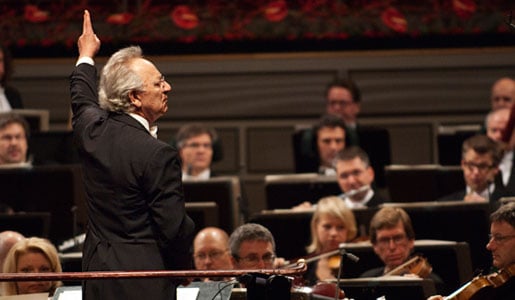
(332, 223)
(499, 285)
(393, 239)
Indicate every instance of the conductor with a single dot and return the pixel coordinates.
(137, 219)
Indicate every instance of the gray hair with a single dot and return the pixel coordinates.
(118, 80)
(249, 232)
(189, 131)
(505, 213)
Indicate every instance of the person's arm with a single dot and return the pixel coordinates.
(83, 85)
(88, 42)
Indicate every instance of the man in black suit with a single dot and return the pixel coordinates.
(480, 158)
(137, 218)
(10, 97)
(356, 178)
(195, 143)
(496, 122)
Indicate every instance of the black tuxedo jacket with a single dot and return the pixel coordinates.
(14, 97)
(499, 192)
(137, 219)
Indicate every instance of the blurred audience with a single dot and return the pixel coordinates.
(195, 143)
(14, 134)
(503, 93)
(31, 255)
(7, 239)
(343, 99)
(496, 122)
(10, 97)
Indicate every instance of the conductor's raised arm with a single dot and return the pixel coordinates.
(88, 42)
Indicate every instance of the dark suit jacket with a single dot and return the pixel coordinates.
(14, 97)
(137, 218)
(499, 192)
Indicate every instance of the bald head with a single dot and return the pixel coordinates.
(211, 250)
(496, 122)
(7, 240)
(503, 93)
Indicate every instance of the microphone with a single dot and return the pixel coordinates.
(345, 256)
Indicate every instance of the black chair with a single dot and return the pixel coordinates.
(288, 190)
(422, 183)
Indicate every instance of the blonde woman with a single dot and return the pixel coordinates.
(332, 223)
(31, 255)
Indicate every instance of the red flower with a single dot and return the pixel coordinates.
(464, 8)
(394, 20)
(34, 15)
(120, 19)
(276, 11)
(184, 17)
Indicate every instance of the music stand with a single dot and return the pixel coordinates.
(392, 287)
(288, 190)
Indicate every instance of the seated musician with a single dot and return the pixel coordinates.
(14, 132)
(332, 223)
(253, 247)
(393, 239)
(499, 285)
(211, 250)
(31, 255)
(480, 160)
(355, 178)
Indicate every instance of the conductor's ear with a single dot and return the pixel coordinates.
(135, 98)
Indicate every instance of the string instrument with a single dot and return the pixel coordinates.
(417, 265)
(480, 283)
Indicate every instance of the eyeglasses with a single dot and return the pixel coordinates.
(480, 167)
(199, 145)
(213, 255)
(385, 241)
(339, 102)
(353, 173)
(499, 239)
(161, 83)
(254, 259)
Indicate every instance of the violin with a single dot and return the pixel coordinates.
(480, 283)
(417, 265)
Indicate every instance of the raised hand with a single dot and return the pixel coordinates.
(88, 42)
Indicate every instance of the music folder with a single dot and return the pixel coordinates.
(389, 287)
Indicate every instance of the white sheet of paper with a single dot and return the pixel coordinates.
(70, 295)
(184, 293)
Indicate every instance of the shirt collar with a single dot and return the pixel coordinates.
(203, 175)
(357, 204)
(152, 130)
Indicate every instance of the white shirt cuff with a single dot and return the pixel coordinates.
(85, 60)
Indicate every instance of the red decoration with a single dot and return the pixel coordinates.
(276, 11)
(34, 15)
(464, 8)
(395, 20)
(184, 17)
(120, 19)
